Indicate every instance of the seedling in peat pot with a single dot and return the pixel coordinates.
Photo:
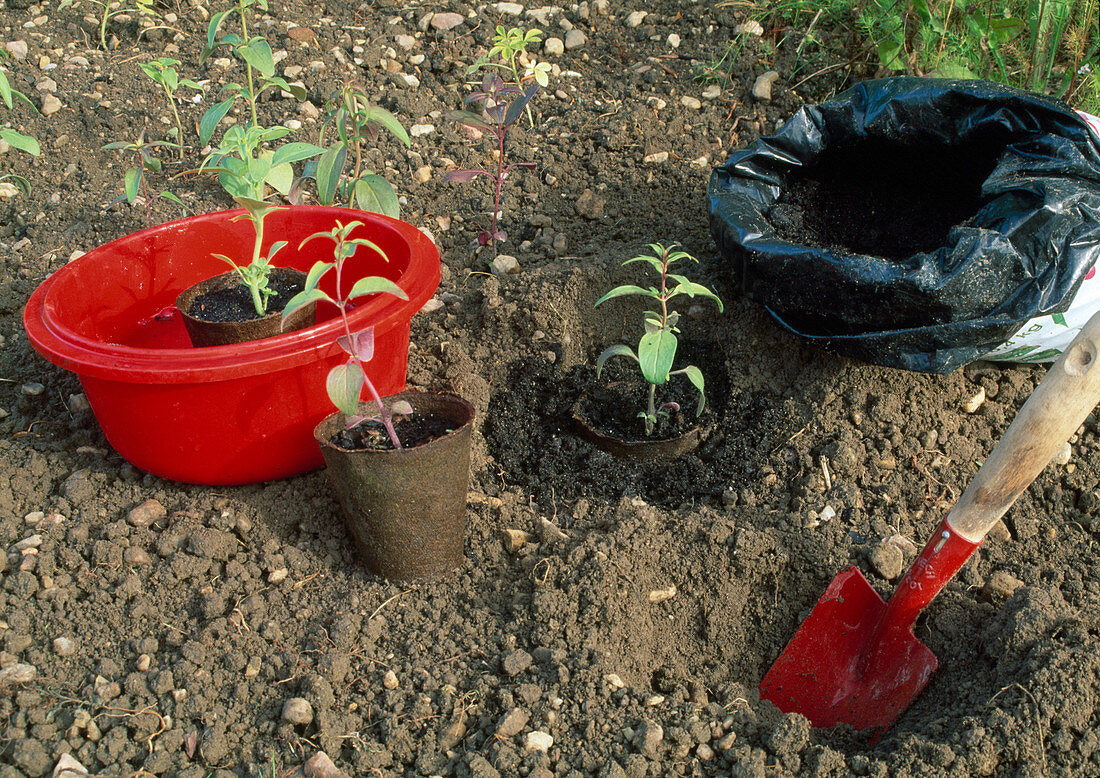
(345, 382)
(356, 122)
(135, 181)
(656, 352)
(497, 117)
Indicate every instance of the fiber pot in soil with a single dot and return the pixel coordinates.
(607, 418)
(913, 223)
(225, 297)
(224, 414)
(406, 508)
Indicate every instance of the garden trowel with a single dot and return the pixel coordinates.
(855, 659)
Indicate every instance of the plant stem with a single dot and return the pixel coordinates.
(383, 412)
(257, 300)
(501, 132)
(248, 68)
(176, 115)
(651, 416)
(103, 24)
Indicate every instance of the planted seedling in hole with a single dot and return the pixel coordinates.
(111, 9)
(163, 72)
(134, 181)
(656, 353)
(345, 382)
(496, 118)
(355, 122)
(508, 44)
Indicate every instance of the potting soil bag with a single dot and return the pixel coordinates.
(916, 223)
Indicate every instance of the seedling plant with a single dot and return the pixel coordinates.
(355, 123)
(162, 71)
(345, 382)
(508, 45)
(135, 181)
(13, 138)
(497, 116)
(109, 9)
(656, 352)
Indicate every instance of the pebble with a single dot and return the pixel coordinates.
(762, 88)
(515, 539)
(647, 737)
(512, 723)
(635, 19)
(887, 560)
(417, 130)
(50, 104)
(146, 514)
(658, 103)
(389, 680)
(252, 669)
(64, 646)
(320, 765)
(408, 80)
(660, 595)
(33, 389)
(614, 681)
(144, 662)
(505, 265)
(974, 403)
(507, 9)
(17, 49)
(34, 517)
(656, 158)
(712, 92)
(18, 673)
(538, 741)
(68, 767)
(405, 41)
(589, 205)
(704, 752)
(674, 40)
(553, 47)
(749, 28)
(446, 21)
(138, 557)
(691, 102)
(277, 576)
(423, 174)
(78, 403)
(574, 39)
(1063, 455)
(31, 541)
(297, 710)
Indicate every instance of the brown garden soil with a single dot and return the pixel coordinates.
(187, 637)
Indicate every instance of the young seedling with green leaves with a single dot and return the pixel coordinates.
(13, 138)
(345, 382)
(355, 123)
(496, 118)
(508, 44)
(656, 353)
(162, 71)
(109, 9)
(255, 52)
(135, 181)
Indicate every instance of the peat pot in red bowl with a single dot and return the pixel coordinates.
(230, 414)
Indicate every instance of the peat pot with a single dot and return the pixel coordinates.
(229, 414)
(205, 332)
(405, 508)
(591, 417)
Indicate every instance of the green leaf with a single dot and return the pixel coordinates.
(295, 152)
(695, 375)
(344, 383)
(375, 284)
(170, 196)
(1059, 319)
(20, 141)
(302, 299)
(386, 119)
(257, 53)
(656, 352)
(654, 262)
(692, 289)
(622, 291)
(132, 181)
(614, 351)
(313, 277)
(210, 119)
(280, 178)
(329, 169)
(374, 193)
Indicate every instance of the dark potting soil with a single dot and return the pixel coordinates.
(613, 410)
(884, 200)
(235, 303)
(412, 431)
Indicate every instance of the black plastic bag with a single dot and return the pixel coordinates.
(1033, 235)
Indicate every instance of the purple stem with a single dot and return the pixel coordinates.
(500, 132)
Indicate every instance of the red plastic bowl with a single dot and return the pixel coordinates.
(223, 414)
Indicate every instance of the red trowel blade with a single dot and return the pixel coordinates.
(842, 668)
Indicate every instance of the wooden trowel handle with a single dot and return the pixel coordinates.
(1057, 407)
